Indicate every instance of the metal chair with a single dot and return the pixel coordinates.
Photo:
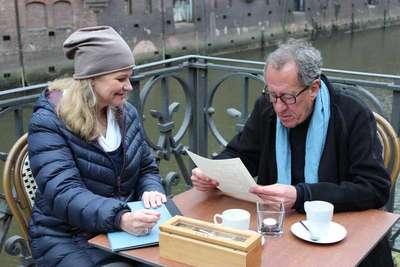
(391, 160)
(19, 189)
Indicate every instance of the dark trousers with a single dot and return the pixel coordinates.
(380, 256)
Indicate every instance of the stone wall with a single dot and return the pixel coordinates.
(157, 29)
(44, 25)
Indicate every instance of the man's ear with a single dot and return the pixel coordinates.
(315, 86)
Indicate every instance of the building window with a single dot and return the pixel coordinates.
(183, 11)
(149, 7)
(129, 6)
(62, 14)
(36, 15)
(299, 5)
(373, 2)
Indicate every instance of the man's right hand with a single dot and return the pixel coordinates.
(202, 182)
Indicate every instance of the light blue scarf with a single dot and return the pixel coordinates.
(315, 141)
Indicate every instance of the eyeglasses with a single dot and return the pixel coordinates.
(288, 99)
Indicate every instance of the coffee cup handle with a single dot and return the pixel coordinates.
(216, 217)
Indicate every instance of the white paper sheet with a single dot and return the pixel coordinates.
(233, 177)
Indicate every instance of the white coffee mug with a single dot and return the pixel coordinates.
(319, 216)
(235, 218)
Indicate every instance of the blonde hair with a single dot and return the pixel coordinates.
(77, 107)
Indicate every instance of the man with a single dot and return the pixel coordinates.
(307, 141)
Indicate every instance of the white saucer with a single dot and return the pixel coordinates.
(336, 233)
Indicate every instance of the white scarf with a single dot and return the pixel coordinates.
(112, 140)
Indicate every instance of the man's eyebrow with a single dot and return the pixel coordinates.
(285, 93)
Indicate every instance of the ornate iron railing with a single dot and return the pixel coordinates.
(199, 79)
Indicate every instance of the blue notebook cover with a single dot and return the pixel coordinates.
(122, 240)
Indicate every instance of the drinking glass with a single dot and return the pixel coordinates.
(270, 218)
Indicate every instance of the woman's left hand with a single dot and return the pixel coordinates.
(153, 199)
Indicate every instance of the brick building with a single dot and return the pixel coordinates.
(44, 25)
(156, 29)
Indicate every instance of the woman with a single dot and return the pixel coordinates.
(89, 156)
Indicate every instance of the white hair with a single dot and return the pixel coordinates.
(306, 57)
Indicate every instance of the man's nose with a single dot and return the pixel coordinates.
(279, 106)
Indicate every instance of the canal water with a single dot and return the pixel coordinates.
(374, 51)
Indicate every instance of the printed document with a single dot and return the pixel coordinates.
(233, 177)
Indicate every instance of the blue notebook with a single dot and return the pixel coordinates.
(122, 240)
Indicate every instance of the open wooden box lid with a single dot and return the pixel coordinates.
(243, 240)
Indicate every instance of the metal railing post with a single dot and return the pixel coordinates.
(19, 124)
(134, 96)
(198, 78)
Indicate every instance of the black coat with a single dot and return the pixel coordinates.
(80, 191)
(351, 172)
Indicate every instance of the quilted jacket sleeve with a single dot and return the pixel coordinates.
(148, 178)
(62, 192)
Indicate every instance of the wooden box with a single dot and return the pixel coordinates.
(200, 243)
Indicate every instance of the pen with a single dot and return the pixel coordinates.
(128, 198)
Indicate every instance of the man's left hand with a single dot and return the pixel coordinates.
(153, 199)
(276, 193)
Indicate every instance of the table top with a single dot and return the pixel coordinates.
(364, 230)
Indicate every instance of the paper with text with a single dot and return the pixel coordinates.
(233, 177)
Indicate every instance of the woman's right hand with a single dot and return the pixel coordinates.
(139, 222)
(202, 182)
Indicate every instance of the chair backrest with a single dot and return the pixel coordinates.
(391, 147)
(19, 185)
